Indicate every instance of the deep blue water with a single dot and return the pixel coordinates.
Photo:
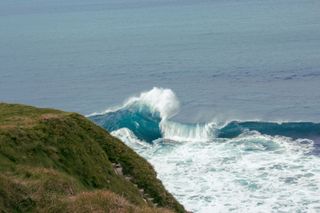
(230, 59)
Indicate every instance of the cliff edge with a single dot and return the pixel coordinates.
(55, 161)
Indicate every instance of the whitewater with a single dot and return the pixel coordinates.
(235, 166)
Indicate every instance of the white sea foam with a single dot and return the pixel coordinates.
(128, 137)
(185, 132)
(250, 173)
(159, 100)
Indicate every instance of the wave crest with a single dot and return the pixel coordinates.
(148, 117)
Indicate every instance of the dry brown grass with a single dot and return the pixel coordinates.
(106, 201)
(27, 122)
(52, 191)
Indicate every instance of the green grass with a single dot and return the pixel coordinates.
(48, 157)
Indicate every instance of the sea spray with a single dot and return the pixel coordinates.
(242, 166)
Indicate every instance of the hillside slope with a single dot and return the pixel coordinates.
(54, 161)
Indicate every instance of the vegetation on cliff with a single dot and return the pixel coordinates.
(54, 161)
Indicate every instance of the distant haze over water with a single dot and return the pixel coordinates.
(227, 59)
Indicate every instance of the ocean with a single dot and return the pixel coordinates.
(222, 97)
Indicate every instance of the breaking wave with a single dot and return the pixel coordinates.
(148, 117)
(242, 166)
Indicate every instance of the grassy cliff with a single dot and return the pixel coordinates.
(54, 161)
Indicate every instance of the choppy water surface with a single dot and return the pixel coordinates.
(252, 173)
(240, 166)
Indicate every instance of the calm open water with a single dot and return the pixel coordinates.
(228, 59)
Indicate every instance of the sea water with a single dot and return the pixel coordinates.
(236, 166)
(222, 97)
(256, 59)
